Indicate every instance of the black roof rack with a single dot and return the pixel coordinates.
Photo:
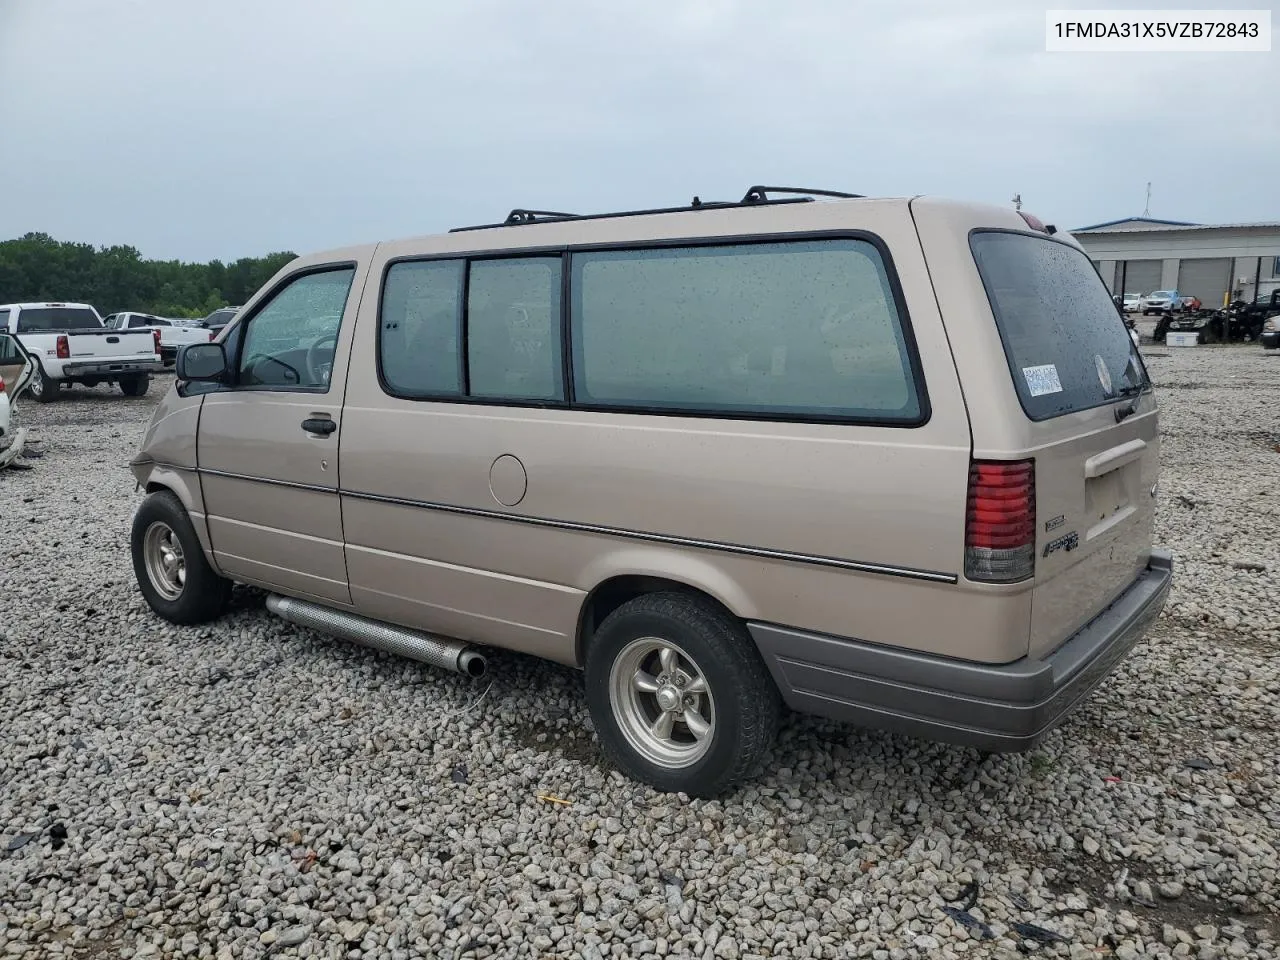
(760, 194)
(754, 197)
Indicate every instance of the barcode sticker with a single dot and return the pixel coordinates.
(1042, 379)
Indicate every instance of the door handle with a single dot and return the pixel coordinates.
(321, 425)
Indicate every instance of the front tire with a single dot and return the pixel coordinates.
(679, 696)
(169, 564)
(135, 386)
(43, 388)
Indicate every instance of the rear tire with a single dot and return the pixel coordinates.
(169, 564)
(43, 388)
(135, 386)
(679, 696)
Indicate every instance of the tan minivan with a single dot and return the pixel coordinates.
(891, 461)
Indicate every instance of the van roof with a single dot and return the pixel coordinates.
(766, 213)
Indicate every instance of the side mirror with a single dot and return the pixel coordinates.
(202, 361)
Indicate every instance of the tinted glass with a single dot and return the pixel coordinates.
(803, 328)
(513, 329)
(4, 319)
(219, 318)
(1067, 347)
(421, 322)
(35, 319)
(291, 341)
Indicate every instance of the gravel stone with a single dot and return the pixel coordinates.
(246, 787)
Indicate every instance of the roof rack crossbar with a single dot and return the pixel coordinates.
(520, 215)
(759, 194)
(756, 196)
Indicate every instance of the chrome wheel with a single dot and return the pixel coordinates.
(662, 702)
(166, 563)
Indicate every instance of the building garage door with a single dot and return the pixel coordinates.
(1206, 279)
(1140, 276)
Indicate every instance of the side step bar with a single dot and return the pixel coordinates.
(438, 651)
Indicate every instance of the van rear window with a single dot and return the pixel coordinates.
(1066, 344)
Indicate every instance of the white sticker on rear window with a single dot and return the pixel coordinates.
(1042, 379)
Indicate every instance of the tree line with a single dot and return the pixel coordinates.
(36, 267)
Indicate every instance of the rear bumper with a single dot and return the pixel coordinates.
(1004, 708)
(109, 368)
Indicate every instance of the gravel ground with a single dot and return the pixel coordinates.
(252, 790)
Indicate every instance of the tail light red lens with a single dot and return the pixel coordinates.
(64, 347)
(155, 336)
(213, 335)
(3, 388)
(1000, 527)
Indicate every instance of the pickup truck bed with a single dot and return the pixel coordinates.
(70, 345)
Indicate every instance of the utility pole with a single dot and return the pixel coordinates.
(1146, 211)
(1017, 201)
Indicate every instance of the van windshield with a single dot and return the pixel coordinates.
(32, 319)
(1065, 341)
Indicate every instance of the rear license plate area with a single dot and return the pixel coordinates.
(1108, 499)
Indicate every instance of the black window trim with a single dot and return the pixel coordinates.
(1009, 361)
(566, 252)
(266, 299)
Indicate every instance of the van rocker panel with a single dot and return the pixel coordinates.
(1000, 708)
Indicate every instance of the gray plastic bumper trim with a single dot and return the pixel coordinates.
(1000, 708)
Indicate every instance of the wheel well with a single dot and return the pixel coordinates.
(614, 592)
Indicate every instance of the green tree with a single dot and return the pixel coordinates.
(38, 267)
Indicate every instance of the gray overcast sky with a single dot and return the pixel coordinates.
(236, 127)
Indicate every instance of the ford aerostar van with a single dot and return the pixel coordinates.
(891, 461)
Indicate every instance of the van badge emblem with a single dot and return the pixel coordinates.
(1066, 544)
(1055, 523)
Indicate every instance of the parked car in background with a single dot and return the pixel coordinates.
(1190, 303)
(219, 318)
(913, 505)
(1132, 302)
(16, 368)
(174, 334)
(1251, 315)
(71, 345)
(1270, 337)
(1159, 301)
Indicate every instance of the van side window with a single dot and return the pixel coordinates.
(513, 329)
(419, 329)
(290, 342)
(804, 328)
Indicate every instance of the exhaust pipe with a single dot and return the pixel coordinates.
(438, 651)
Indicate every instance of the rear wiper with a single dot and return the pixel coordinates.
(1136, 391)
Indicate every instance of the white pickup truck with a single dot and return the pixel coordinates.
(174, 334)
(70, 345)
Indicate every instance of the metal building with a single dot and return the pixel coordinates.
(1209, 261)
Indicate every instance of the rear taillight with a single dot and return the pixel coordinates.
(155, 336)
(1000, 524)
(213, 335)
(3, 388)
(64, 348)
